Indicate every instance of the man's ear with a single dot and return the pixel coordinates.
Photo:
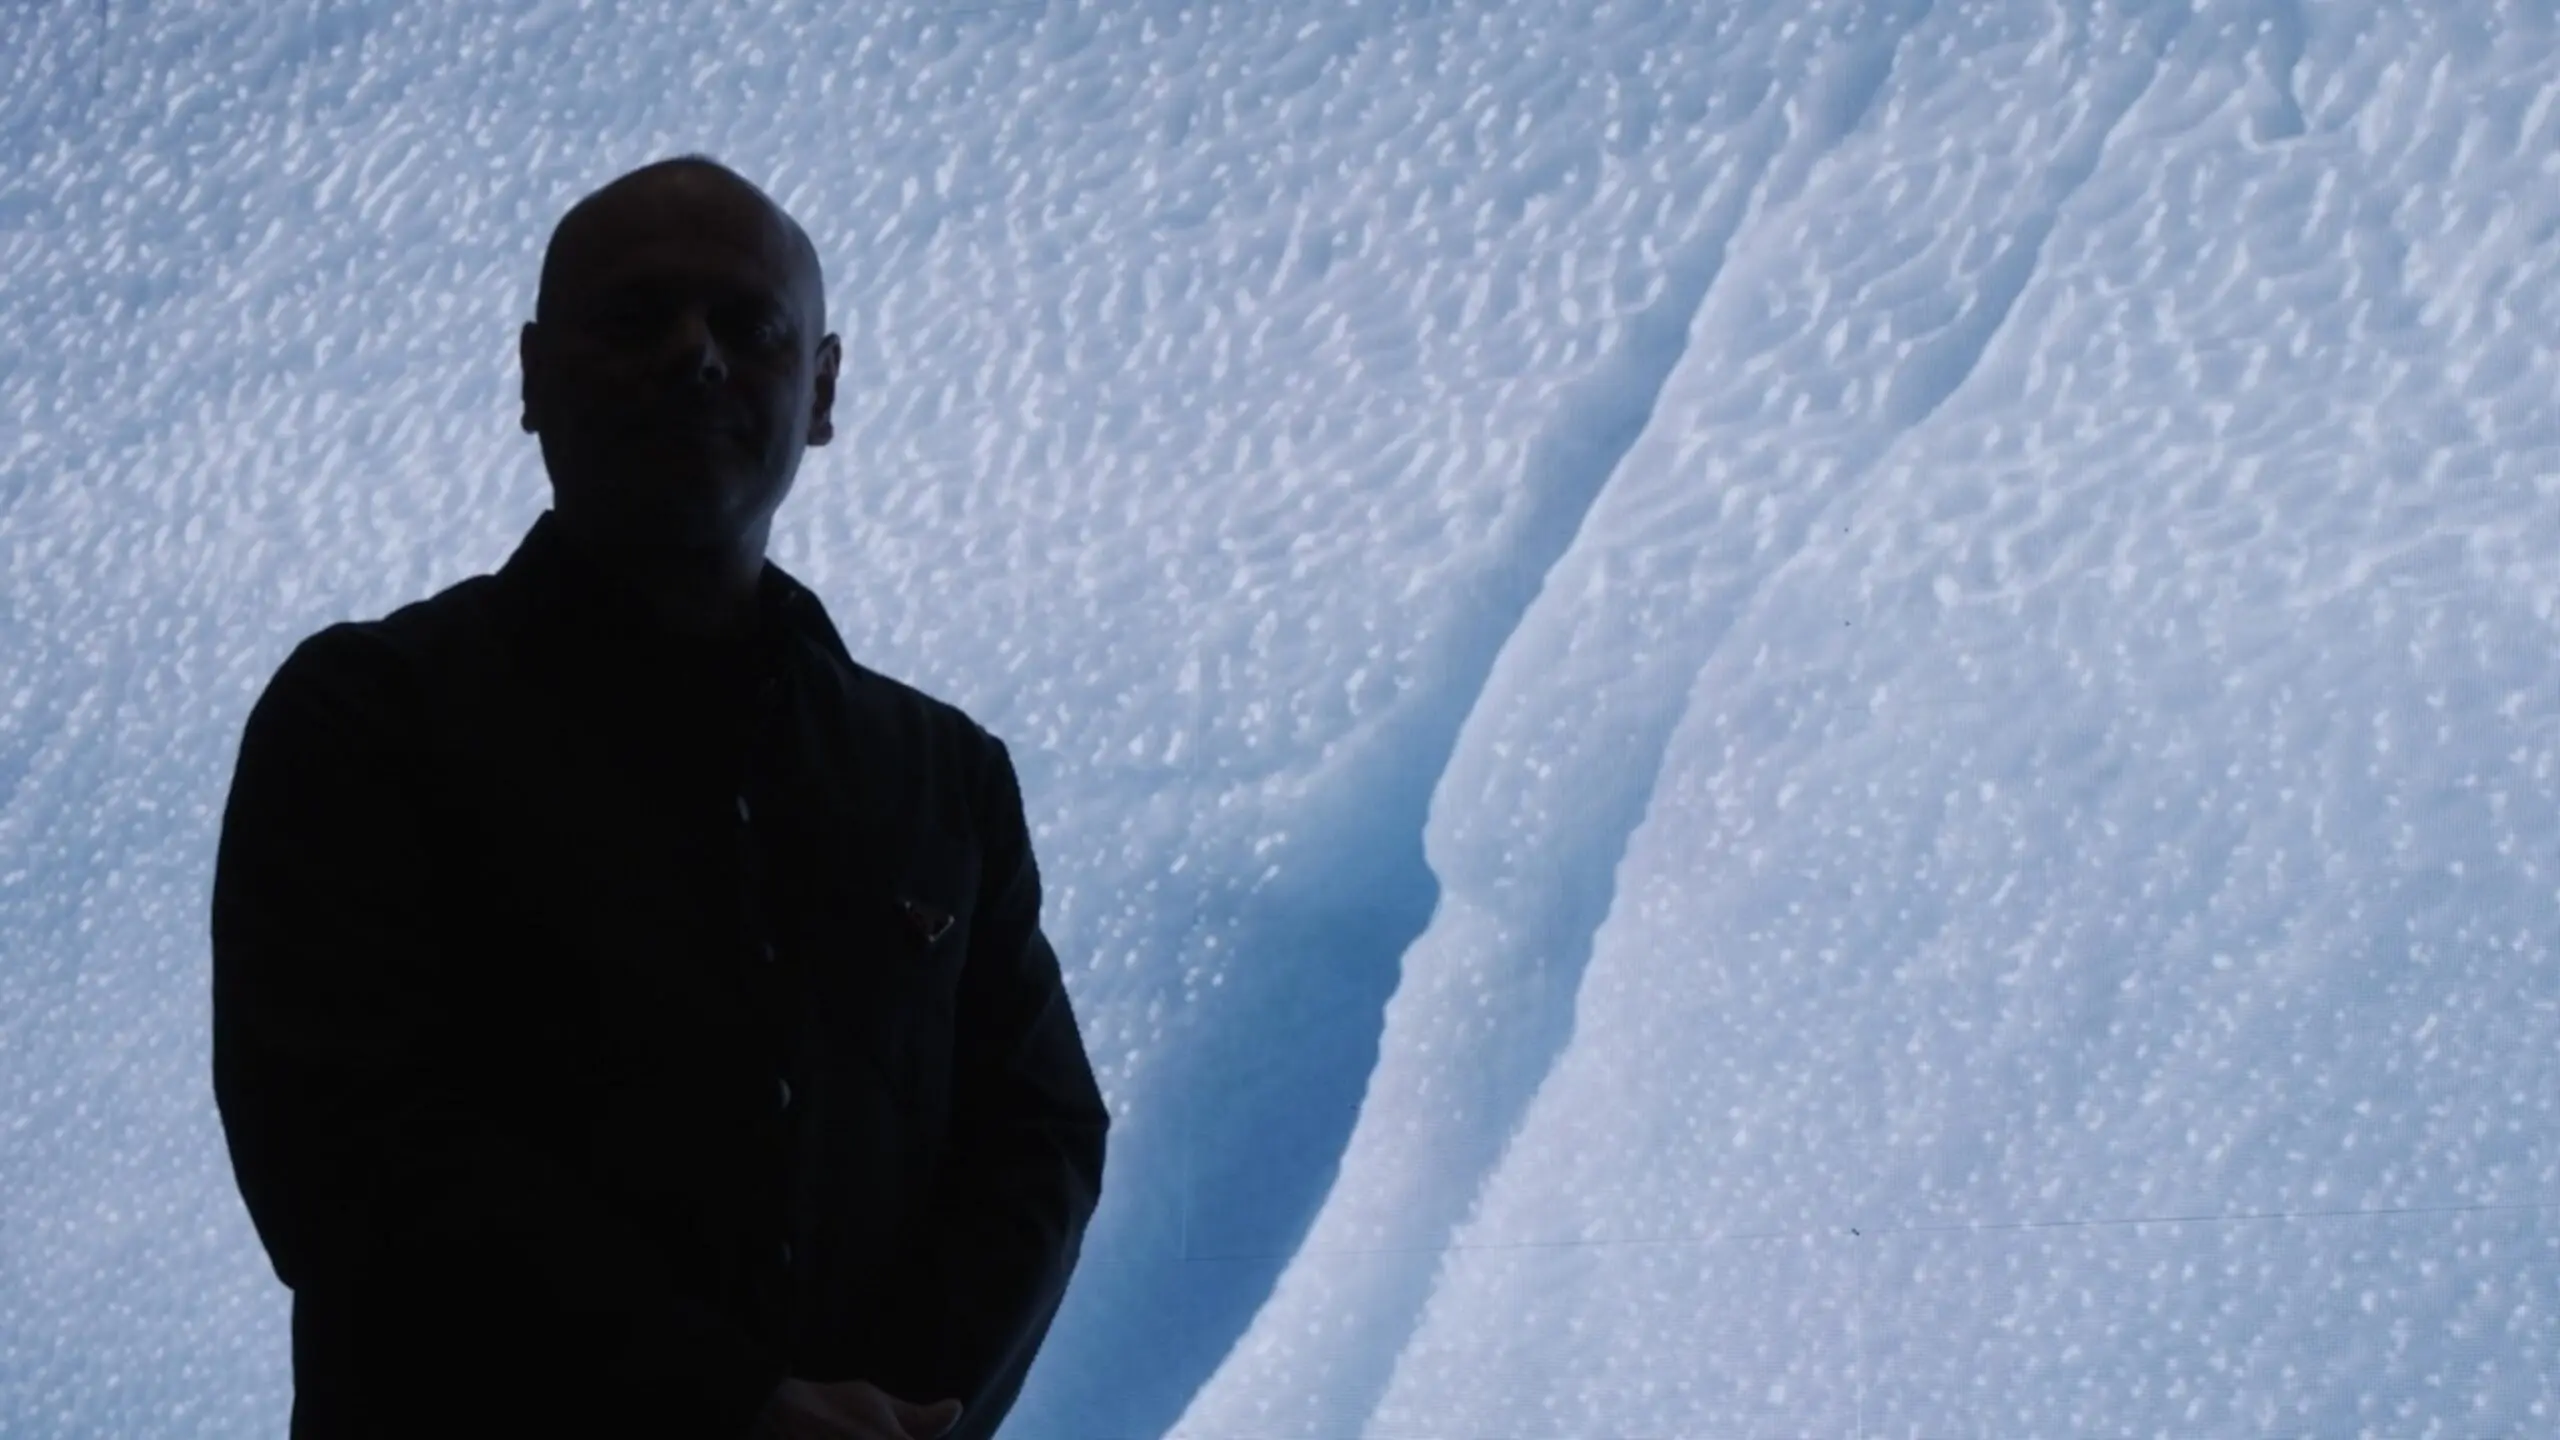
(822, 402)
(529, 360)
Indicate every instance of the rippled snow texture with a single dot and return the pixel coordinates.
(1957, 598)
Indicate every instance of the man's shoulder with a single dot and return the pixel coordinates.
(463, 612)
(871, 694)
(903, 710)
(370, 683)
(394, 646)
(435, 643)
(935, 758)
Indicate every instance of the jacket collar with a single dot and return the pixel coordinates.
(603, 616)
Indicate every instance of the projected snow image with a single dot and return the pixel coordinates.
(1760, 719)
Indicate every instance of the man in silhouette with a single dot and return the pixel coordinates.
(630, 1015)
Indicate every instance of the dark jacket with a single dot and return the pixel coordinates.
(607, 1025)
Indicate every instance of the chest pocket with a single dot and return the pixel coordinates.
(917, 931)
(925, 917)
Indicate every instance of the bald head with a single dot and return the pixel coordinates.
(678, 361)
(684, 182)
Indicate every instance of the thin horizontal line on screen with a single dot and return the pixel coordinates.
(1869, 1232)
(1516, 1436)
(1678, 1435)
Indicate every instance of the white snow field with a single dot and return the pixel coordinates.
(1759, 719)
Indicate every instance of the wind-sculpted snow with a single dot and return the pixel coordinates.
(2114, 790)
(1768, 719)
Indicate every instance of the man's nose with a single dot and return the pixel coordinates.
(695, 356)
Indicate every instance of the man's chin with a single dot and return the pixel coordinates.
(667, 528)
(692, 507)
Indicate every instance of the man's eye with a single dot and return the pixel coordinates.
(624, 322)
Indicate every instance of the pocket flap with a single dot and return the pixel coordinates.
(927, 921)
(934, 887)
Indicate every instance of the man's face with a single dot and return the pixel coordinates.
(678, 374)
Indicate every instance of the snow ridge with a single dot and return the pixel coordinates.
(1388, 1236)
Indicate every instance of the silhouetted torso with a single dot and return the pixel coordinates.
(653, 1015)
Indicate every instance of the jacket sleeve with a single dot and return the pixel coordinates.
(1023, 1168)
(367, 1112)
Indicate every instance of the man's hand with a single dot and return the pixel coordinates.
(849, 1410)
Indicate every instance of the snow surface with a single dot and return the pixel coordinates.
(1773, 719)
